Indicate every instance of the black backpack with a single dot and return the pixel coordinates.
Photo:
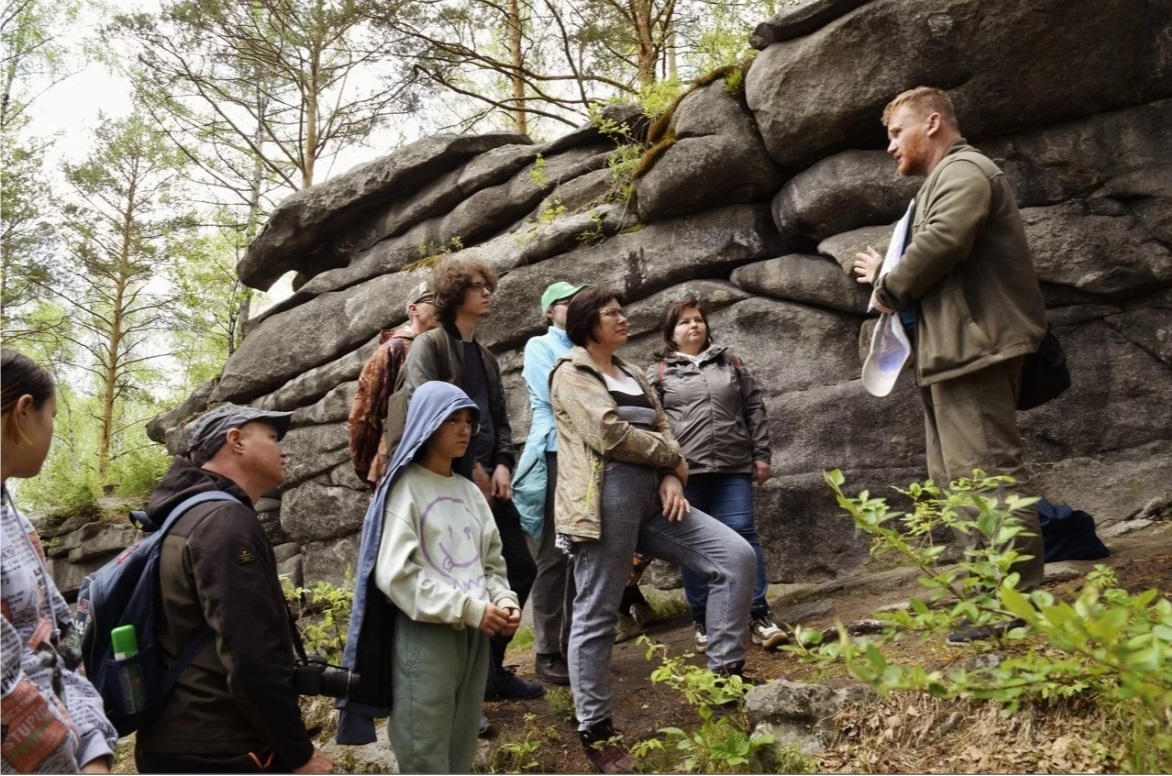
(126, 592)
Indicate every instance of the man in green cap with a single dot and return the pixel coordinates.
(533, 489)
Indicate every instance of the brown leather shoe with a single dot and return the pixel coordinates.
(601, 743)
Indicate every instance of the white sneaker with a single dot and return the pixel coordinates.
(766, 633)
(701, 637)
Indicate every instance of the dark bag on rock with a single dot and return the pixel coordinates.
(1069, 534)
(1044, 374)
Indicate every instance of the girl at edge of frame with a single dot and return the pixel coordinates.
(718, 416)
(54, 720)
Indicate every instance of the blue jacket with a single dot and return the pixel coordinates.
(372, 617)
(529, 483)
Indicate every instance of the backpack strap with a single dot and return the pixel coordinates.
(205, 636)
(186, 505)
(185, 658)
(662, 371)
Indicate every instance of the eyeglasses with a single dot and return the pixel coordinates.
(459, 425)
(613, 312)
(483, 288)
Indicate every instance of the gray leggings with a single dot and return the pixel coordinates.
(632, 519)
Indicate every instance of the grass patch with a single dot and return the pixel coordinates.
(562, 702)
(523, 640)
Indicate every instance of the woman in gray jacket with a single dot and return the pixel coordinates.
(717, 414)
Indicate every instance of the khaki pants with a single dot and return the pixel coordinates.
(971, 422)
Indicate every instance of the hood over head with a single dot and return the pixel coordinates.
(372, 615)
(431, 404)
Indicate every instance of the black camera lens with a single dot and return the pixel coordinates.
(317, 677)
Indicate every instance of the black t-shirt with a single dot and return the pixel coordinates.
(476, 385)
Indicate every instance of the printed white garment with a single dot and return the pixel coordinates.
(53, 718)
(440, 555)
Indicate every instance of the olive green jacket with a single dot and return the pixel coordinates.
(590, 433)
(969, 267)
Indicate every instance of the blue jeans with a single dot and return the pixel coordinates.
(728, 498)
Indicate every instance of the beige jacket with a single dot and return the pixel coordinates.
(969, 267)
(590, 433)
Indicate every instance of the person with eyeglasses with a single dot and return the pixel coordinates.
(620, 488)
(463, 292)
(533, 490)
(431, 564)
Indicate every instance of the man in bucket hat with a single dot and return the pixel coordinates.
(233, 709)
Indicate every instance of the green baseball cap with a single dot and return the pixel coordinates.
(557, 292)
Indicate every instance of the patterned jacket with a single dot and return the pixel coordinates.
(590, 433)
(368, 446)
(53, 717)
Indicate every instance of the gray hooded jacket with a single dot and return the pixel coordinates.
(715, 409)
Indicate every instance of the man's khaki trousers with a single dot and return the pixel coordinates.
(971, 423)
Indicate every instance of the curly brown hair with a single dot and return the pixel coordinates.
(452, 278)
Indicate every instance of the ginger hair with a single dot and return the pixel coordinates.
(924, 100)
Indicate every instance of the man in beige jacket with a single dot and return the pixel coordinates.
(967, 291)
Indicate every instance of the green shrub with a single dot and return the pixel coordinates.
(323, 614)
(721, 742)
(1107, 645)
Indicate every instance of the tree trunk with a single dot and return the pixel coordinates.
(514, 25)
(251, 223)
(644, 41)
(669, 38)
(111, 369)
(309, 155)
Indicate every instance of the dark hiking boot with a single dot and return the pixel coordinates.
(603, 748)
(505, 685)
(968, 635)
(551, 667)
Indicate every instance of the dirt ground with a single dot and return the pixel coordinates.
(539, 736)
(1142, 560)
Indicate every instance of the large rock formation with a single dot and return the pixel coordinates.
(758, 209)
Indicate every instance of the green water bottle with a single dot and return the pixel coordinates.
(124, 641)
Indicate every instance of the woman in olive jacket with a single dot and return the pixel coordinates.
(718, 416)
(620, 489)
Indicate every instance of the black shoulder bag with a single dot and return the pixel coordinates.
(1044, 374)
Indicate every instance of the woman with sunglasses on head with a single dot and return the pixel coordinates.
(718, 416)
(54, 720)
(620, 488)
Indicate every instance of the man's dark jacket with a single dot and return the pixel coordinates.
(217, 568)
(439, 355)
